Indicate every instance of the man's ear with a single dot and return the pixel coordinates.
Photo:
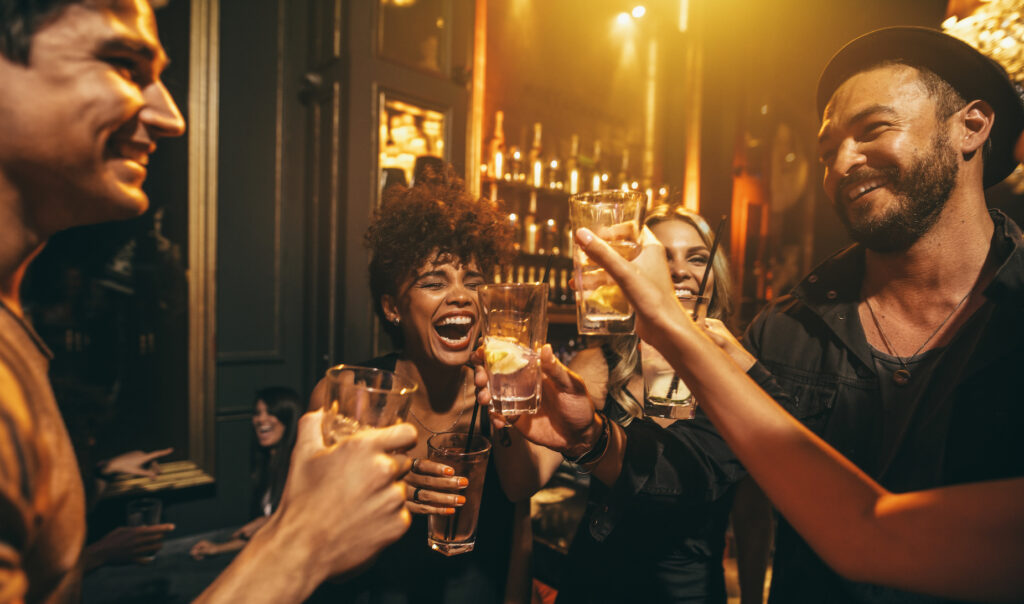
(390, 307)
(978, 118)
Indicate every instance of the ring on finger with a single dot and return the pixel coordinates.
(416, 495)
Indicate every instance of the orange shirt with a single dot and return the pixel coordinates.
(42, 502)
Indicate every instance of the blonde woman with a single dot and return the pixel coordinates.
(651, 537)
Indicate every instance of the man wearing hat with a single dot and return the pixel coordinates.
(904, 350)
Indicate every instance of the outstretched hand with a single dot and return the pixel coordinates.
(565, 419)
(136, 463)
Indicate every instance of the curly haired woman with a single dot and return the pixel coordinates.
(432, 245)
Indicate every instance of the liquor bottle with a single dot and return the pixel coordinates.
(555, 179)
(622, 180)
(536, 163)
(572, 166)
(496, 148)
(598, 177)
(513, 220)
(530, 230)
(551, 238)
(515, 170)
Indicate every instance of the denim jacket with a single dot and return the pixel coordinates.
(965, 425)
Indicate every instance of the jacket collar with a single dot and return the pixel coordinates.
(832, 289)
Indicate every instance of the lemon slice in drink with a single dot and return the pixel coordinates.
(504, 355)
(608, 299)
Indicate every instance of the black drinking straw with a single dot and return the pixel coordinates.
(711, 258)
(469, 444)
(700, 291)
(547, 268)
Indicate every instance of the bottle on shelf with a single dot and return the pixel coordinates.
(572, 166)
(515, 170)
(496, 148)
(536, 162)
(598, 177)
(530, 230)
(554, 179)
(622, 179)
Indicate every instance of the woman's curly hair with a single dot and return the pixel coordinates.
(433, 221)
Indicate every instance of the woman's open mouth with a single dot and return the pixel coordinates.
(455, 331)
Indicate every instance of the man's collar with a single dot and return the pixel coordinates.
(837, 280)
(27, 328)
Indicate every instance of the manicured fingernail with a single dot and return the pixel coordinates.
(463, 482)
(449, 471)
(584, 235)
(460, 500)
(449, 511)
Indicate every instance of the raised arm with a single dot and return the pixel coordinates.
(963, 542)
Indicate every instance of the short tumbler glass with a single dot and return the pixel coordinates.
(363, 397)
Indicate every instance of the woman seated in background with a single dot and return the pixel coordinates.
(432, 246)
(275, 423)
(667, 547)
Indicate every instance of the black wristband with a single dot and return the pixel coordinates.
(599, 448)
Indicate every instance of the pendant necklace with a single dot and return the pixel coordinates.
(902, 375)
(449, 429)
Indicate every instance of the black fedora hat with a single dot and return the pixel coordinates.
(971, 73)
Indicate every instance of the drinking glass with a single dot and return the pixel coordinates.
(144, 512)
(601, 307)
(456, 534)
(515, 326)
(665, 394)
(363, 397)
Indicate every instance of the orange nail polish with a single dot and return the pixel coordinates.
(463, 482)
(449, 511)
(449, 471)
(460, 500)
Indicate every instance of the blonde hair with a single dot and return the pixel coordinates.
(625, 348)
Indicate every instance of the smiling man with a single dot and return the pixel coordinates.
(81, 109)
(902, 351)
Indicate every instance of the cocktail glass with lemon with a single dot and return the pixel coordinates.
(601, 307)
(514, 329)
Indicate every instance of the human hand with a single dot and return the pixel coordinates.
(136, 463)
(128, 544)
(647, 283)
(565, 420)
(249, 528)
(204, 548)
(432, 488)
(721, 336)
(343, 503)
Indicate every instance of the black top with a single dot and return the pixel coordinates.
(410, 572)
(657, 535)
(963, 423)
